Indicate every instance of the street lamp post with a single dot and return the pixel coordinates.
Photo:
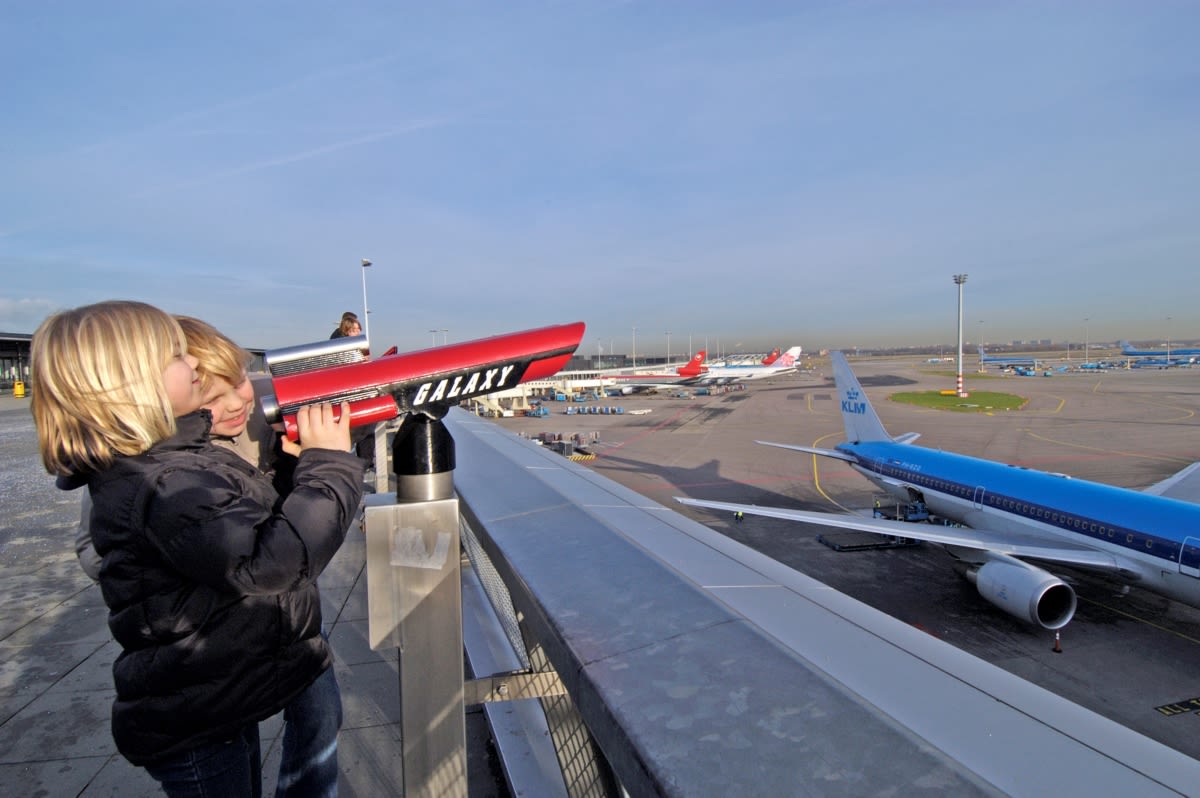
(433, 337)
(668, 347)
(959, 279)
(982, 343)
(1168, 340)
(635, 347)
(444, 339)
(1085, 340)
(366, 311)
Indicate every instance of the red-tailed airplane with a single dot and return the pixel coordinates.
(687, 374)
(784, 364)
(771, 357)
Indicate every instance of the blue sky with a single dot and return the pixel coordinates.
(746, 174)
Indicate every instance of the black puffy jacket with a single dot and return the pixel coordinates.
(211, 583)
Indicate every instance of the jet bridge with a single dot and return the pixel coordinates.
(687, 664)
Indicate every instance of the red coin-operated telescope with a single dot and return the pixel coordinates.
(427, 381)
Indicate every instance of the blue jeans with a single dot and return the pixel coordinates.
(233, 768)
(309, 766)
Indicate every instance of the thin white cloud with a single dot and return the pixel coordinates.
(247, 100)
(285, 160)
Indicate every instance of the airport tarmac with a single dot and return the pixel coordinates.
(1126, 654)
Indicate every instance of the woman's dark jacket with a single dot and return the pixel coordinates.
(211, 583)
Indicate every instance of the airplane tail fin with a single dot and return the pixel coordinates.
(694, 367)
(789, 357)
(862, 423)
(772, 357)
(1125, 346)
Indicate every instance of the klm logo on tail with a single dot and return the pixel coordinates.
(853, 403)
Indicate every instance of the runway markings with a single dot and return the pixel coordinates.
(1139, 619)
(817, 475)
(1141, 455)
(1183, 707)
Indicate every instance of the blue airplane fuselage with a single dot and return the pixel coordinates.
(1156, 539)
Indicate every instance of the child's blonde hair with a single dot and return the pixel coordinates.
(219, 357)
(98, 387)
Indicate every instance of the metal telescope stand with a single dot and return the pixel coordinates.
(415, 604)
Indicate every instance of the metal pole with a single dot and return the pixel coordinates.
(366, 311)
(668, 346)
(1085, 342)
(984, 343)
(635, 347)
(415, 604)
(959, 279)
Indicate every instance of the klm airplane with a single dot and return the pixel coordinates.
(1128, 350)
(1014, 517)
(1000, 361)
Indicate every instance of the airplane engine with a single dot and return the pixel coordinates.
(626, 390)
(1025, 592)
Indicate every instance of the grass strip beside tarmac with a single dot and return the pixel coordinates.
(975, 402)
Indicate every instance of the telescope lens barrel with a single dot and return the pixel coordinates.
(306, 357)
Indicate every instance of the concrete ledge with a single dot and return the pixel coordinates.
(704, 668)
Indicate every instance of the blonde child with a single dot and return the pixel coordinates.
(208, 573)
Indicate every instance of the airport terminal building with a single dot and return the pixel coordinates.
(14, 359)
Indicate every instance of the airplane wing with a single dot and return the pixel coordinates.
(1183, 485)
(907, 437)
(964, 537)
(832, 453)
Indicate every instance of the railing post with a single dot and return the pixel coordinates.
(415, 604)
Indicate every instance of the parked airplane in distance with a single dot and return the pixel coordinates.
(696, 373)
(1175, 351)
(784, 364)
(1151, 362)
(1001, 361)
(1012, 514)
(766, 359)
(687, 374)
